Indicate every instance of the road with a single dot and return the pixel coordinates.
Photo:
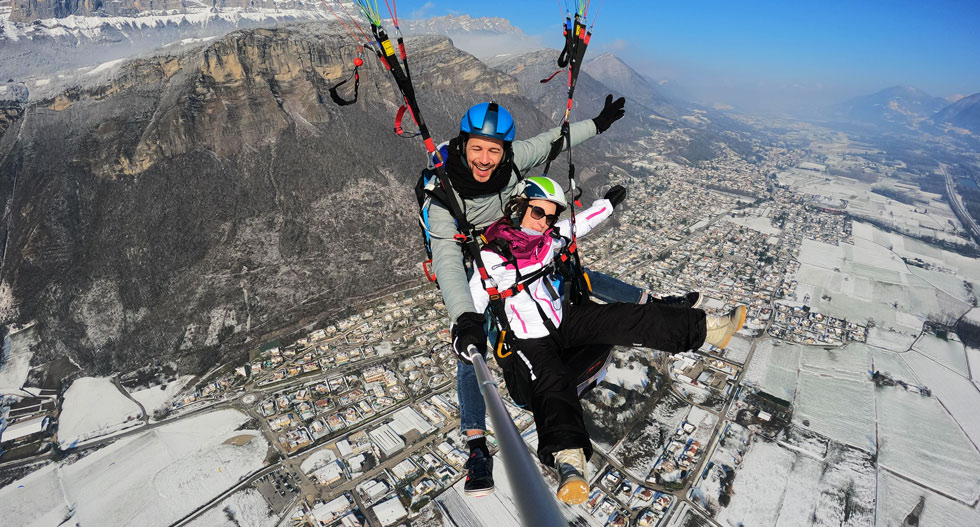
(958, 208)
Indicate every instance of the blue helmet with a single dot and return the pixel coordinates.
(488, 119)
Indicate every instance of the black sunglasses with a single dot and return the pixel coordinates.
(538, 213)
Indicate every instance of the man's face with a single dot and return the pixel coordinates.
(483, 154)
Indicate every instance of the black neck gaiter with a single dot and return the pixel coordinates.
(461, 176)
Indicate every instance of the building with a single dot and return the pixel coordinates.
(19, 430)
(390, 512)
(387, 440)
(407, 419)
(329, 473)
(325, 513)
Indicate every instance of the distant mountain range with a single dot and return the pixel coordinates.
(905, 110)
(963, 114)
(898, 107)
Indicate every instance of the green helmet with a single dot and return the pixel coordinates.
(541, 187)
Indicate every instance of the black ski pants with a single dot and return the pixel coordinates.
(538, 372)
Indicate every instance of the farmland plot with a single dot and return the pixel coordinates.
(841, 409)
(919, 440)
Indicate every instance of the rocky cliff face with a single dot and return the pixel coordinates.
(201, 200)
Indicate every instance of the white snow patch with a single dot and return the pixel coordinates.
(632, 377)
(105, 66)
(898, 497)
(756, 223)
(958, 395)
(738, 349)
(890, 340)
(774, 368)
(949, 353)
(158, 397)
(317, 459)
(94, 407)
(919, 440)
(777, 486)
(152, 478)
(840, 409)
(188, 41)
(15, 360)
(247, 507)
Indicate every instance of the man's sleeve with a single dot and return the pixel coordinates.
(481, 299)
(532, 152)
(447, 262)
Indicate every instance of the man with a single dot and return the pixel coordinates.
(484, 164)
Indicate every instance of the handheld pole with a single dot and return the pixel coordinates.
(535, 502)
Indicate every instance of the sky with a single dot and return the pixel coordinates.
(763, 53)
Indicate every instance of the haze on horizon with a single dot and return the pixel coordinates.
(774, 58)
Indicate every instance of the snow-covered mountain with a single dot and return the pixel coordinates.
(963, 115)
(37, 51)
(899, 108)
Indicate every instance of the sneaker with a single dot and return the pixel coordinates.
(479, 474)
(574, 488)
(720, 329)
(692, 300)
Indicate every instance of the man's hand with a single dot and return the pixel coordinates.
(615, 195)
(611, 112)
(468, 331)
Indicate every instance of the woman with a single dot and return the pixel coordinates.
(521, 249)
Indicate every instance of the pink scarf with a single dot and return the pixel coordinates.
(524, 246)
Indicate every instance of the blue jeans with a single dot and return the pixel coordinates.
(472, 409)
(610, 290)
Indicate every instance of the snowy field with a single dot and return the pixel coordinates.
(150, 479)
(892, 340)
(94, 407)
(839, 408)
(774, 368)
(949, 353)
(158, 397)
(15, 360)
(851, 361)
(738, 349)
(869, 280)
(898, 497)
(245, 508)
(919, 440)
(959, 396)
(783, 487)
(317, 459)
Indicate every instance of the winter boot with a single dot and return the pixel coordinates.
(479, 474)
(574, 488)
(721, 329)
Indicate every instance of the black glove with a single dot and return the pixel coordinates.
(615, 195)
(611, 112)
(468, 331)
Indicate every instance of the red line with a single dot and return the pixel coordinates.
(354, 20)
(353, 36)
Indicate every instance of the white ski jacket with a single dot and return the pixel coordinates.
(522, 314)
